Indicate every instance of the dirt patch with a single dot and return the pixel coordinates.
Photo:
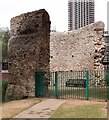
(12, 108)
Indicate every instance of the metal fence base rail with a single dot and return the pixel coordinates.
(73, 84)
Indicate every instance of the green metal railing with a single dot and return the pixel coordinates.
(87, 85)
(74, 84)
(56, 84)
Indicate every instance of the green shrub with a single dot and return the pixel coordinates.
(4, 88)
(4, 84)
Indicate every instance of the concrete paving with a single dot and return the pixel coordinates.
(41, 110)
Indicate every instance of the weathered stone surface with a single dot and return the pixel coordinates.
(79, 49)
(31, 22)
(28, 52)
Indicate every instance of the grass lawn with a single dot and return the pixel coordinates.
(81, 109)
(12, 108)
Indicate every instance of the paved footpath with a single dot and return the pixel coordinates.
(43, 109)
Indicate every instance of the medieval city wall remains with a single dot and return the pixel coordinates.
(32, 48)
(79, 49)
(28, 52)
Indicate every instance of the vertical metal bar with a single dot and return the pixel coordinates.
(72, 91)
(107, 82)
(100, 90)
(97, 87)
(62, 80)
(65, 91)
(63, 74)
(68, 89)
(61, 83)
(69, 76)
(51, 84)
(87, 86)
(81, 89)
(84, 76)
(73, 87)
(79, 84)
(75, 90)
(35, 85)
(105, 85)
(63, 94)
(96, 84)
(56, 84)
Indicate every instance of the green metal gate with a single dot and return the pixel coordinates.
(61, 84)
(39, 84)
(73, 84)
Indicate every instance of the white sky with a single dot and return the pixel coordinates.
(57, 9)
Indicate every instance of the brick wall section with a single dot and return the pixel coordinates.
(78, 50)
(28, 52)
(5, 76)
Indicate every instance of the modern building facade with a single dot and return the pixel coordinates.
(80, 13)
(108, 17)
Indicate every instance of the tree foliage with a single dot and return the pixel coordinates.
(4, 37)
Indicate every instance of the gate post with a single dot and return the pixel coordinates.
(56, 84)
(39, 84)
(87, 85)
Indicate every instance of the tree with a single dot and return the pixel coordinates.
(4, 37)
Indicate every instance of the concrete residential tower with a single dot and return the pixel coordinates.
(80, 13)
(108, 17)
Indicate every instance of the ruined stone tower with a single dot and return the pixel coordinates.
(28, 52)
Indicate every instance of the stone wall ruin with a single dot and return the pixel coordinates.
(81, 49)
(28, 52)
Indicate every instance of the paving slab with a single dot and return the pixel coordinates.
(41, 110)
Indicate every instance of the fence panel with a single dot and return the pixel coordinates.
(97, 85)
(51, 85)
(76, 84)
(67, 84)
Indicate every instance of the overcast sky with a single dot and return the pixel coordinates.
(57, 9)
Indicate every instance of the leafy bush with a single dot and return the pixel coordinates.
(3, 89)
(4, 84)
